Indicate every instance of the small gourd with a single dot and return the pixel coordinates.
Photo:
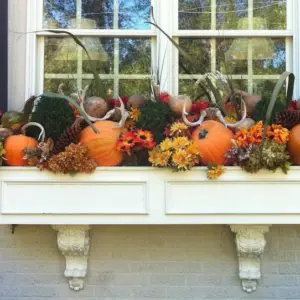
(176, 104)
(294, 144)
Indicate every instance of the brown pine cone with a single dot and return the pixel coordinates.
(288, 119)
(70, 136)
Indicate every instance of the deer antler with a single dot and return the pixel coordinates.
(212, 111)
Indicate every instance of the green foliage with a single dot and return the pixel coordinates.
(155, 116)
(54, 114)
(261, 108)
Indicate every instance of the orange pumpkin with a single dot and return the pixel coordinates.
(14, 149)
(102, 146)
(294, 144)
(16, 144)
(213, 140)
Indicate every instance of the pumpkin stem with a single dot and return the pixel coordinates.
(42, 134)
(202, 134)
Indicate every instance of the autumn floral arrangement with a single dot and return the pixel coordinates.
(217, 126)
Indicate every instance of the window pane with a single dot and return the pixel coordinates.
(227, 64)
(194, 14)
(97, 14)
(134, 87)
(133, 14)
(272, 11)
(266, 87)
(230, 12)
(69, 86)
(275, 64)
(200, 50)
(135, 56)
(108, 87)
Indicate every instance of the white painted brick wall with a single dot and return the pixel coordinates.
(147, 262)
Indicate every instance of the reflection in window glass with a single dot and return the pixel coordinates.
(200, 51)
(134, 87)
(272, 11)
(135, 56)
(266, 87)
(108, 87)
(133, 14)
(230, 12)
(194, 14)
(97, 14)
(69, 86)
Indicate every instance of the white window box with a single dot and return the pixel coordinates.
(122, 195)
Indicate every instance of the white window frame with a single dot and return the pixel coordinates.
(166, 13)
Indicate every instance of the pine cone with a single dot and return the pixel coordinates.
(70, 136)
(288, 119)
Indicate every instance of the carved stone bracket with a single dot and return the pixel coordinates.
(250, 245)
(74, 243)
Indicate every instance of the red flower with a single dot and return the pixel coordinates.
(293, 105)
(116, 102)
(201, 105)
(165, 97)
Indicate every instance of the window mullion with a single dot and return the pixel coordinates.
(165, 12)
(213, 42)
(116, 49)
(79, 49)
(250, 54)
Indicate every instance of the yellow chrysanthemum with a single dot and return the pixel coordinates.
(162, 159)
(135, 113)
(193, 149)
(215, 172)
(166, 145)
(180, 142)
(129, 124)
(182, 159)
(178, 129)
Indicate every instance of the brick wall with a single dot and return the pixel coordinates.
(147, 262)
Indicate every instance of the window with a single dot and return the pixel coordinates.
(251, 41)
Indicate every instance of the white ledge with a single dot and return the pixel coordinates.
(140, 195)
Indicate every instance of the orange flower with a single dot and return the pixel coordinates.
(144, 136)
(278, 133)
(242, 138)
(126, 142)
(129, 124)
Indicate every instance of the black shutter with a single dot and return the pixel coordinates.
(3, 54)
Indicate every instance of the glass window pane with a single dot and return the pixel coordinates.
(133, 14)
(97, 14)
(273, 12)
(265, 87)
(194, 14)
(229, 64)
(230, 12)
(108, 87)
(69, 85)
(60, 56)
(199, 50)
(274, 64)
(58, 13)
(135, 56)
(134, 87)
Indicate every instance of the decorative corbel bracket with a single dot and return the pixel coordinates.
(250, 244)
(74, 242)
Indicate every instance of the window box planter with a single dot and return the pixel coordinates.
(123, 195)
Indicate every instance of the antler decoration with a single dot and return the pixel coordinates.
(109, 114)
(213, 112)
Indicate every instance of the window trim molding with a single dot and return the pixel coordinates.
(4, 55)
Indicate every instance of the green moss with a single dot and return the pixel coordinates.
(155, 116)
(54, 114)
